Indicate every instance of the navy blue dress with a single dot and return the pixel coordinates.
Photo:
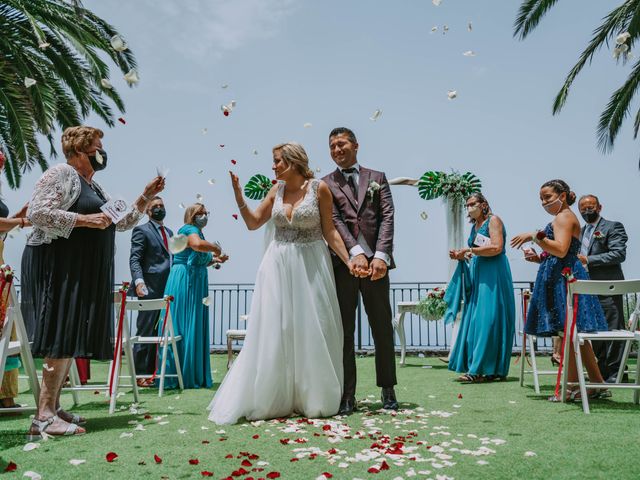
(548, 301)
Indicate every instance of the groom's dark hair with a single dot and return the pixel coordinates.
(346, 131)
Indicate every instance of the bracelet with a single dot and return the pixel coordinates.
(244, 205)
(145, 198)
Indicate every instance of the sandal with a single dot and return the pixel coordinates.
(475, 378)
(71, 417)
(42, 425)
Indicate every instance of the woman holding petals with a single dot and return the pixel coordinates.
(67, 270)
(291, 360)
(188, 284)
(559, 263)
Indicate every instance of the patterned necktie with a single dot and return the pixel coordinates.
(164, 238)
(586, 239)
(350, 174)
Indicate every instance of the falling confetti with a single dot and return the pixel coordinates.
(307, 125)
(132, 77)
(452, 94)
(436, 2)
(221, 145)
(118, 43)
(445, 29)
(469, 27)
(204, 131)
(376, 115)
(181, 205)
(122, 121)
(424, 215)
(235, 216)
(255, 152)
(106, 84)
(178, 242)
(469, 53)
(224, 85)
(200, 172)
(228, 108)
(434, 29)
(199, 197)
(211, 181)
(318, 170)
(234, 162)
(29, 82)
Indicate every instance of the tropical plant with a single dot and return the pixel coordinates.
(52, 74)
(621, 24)
(258, 187)
(452, 186)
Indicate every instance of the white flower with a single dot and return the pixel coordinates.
(29, 82)
(308, 125)
(469, 53)
(118, 43)
(373, 188)
(376, 115)
(452, 94)
(106, 84)
(622, 38)
(132, 77)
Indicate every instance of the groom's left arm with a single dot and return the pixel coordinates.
(384, 243)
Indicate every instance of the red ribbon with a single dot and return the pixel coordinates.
(117, 352)
(168, 299)
(6, 280)
(574, 319)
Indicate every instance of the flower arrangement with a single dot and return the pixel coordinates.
(373, 188)
(432, 306)
(568, 275)
(451, 186)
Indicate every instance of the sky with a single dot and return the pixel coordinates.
(333, 63)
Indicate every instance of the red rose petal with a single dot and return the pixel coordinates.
(326, 427)
(235, 216)
(246, 463)
(206, 473)
(111, 456)
(273, 475)
(12, 467)
(147, 417)
(225, 113)
(255, 437)
(234, 161)
(284, 441)
(327, 475)
(194, 461)
(222, 145)
(157, 458)
(273, 182)
(122, 121)
(229, 456)
(333, 451)
(459, 395)
(205, 442)
(373, 470)
(294, 460)
(384, 465)
(253, 456)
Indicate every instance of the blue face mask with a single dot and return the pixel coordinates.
(201, 221)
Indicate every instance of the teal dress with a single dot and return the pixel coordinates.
(485, 338)
(188, 284)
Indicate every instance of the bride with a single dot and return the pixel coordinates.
(291, 360)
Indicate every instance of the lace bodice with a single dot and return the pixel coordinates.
(304, 226)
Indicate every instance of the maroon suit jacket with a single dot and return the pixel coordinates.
(373, 217)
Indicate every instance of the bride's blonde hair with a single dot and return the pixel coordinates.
(295, 156)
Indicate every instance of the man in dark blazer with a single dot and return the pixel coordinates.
(603, 249)
(150, 262)
(363, 215)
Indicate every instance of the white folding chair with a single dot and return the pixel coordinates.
(168, 337)
(529, 342)
(19, 346)
(237, 334)
(600, 287)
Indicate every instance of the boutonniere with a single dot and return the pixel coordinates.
(373, 188)
(597, 234)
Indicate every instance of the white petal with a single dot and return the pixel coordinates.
(126, 435)
(206, 301)
(182, 431)
(132, 77)
(178, 243)
(106, 84)
(32, 475)
(29, 82)
(118, 43)
(232, 104)
(530, 454)
(255, 152)
(434, 29)
(436, 2)
(623, 48)
(224, 85)
(77, 461)
(622, 38)
(452, 94)
(43, 45)
(318, 170)
(469, 53)
(199, 197)
(445, 29)
(162, 171)
(376, 115)
(469, 26)
(307, 125)
(30, 446)
(181, 205)
(211, 181)
(424, 215)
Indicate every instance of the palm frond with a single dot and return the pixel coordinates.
(529, 15)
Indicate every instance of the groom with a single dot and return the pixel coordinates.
(363, 215)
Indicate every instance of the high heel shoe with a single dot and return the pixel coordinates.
(555, 360)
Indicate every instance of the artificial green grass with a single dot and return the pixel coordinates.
(567, 444)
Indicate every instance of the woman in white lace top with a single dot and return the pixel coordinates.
(67, 270)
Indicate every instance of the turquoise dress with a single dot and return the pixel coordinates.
(485, 338)
(188, 284)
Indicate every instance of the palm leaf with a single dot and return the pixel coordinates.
(529, 15)
(429, 185)
(474, 182)
(257, 187)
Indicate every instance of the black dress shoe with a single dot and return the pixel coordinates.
(389, 401)
(347, 406)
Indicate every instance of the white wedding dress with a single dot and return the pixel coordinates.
(291, 360)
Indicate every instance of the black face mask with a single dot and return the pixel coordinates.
(95, 163)
(158, 213)
(589, 216)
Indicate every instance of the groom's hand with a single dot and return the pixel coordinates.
(378, 269)
(360, 266)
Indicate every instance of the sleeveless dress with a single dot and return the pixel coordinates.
(291, 361)
(188, 282)
(547, 309)
(67, 288)
(485, 340)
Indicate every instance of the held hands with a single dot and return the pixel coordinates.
(359, 266)
(94, 220)
(519, 240)
(221, 258)
(378, 269)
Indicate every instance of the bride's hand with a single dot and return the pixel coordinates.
(237, 189)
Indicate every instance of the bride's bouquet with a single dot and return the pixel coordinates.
(433, 306)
